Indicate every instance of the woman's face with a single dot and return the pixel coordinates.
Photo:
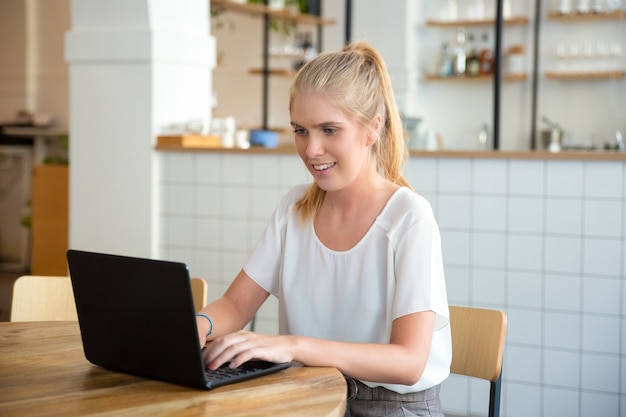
(334, 149)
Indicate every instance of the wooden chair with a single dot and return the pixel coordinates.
(477, 347)
(199, 290)
(50, 298)
(43, 298)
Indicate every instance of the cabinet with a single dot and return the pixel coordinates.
(268, 14)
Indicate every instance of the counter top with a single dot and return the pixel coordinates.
(565, 155)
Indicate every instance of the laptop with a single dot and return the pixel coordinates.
(137, 316)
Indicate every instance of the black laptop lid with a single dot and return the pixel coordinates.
(137, 316)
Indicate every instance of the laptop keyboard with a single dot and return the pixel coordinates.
(226, 375)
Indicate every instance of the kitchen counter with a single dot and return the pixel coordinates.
(564, 155)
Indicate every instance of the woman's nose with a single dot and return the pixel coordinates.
(314, 147)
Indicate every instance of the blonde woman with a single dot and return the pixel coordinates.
(354, 258)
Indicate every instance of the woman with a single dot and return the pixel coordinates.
(354, 258)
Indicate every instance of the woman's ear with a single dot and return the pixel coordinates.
(376, 126)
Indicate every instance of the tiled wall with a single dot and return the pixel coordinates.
(542, 240)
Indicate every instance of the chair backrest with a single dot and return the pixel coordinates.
(43, 298)
(199, 290)
(50, 298)
(478, 336)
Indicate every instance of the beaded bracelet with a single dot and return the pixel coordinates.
(210, 322)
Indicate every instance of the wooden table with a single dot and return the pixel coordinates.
(43, 372)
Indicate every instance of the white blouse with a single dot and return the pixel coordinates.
(353, 296)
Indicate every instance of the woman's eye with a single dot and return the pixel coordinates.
(329, 130)
(298, 131)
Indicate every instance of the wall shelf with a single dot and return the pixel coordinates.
(478, 78)
(578, 17)
(515, 20)
(595, 75)
(262, 10)
(276, 72)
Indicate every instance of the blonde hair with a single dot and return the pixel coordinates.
(355, 79)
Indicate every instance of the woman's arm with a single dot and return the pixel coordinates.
(233, 310)
(401, 361)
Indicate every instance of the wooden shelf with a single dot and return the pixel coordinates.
(596, 75)
(275, 72)
(478, 78)
(578, 17)
(515, 20)
(260, 9)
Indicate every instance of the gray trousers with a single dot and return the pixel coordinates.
(364, 401)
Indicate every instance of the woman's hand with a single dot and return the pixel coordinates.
(242, 346)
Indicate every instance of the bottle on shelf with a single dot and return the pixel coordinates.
(472, 64)
(460, 54)
(485, 56)
(445, 63)
(306, 50)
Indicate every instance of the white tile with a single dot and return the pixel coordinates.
(178, 199)
(602, 295)
(207, 200)
(177, 167)
(489, 213)
(458, 285)
(526, 177)
(208, 168)
(602, 257)
(184, 255)
(562, 330)
(479, 397)
(563, 254)
(235, 169)
(561, 368)
(604, 179)
(603, 218)
(454, 175)
(524, 289)
(563, 292)
(488, 286)
(207, 233)
(235, 202)
(454, 395)
(454, 211)
(490, 176)
(523, 364)
(560, 402)
(263, 202)
(564, 216)
(489, 249)
(207, 265)
(179, 231)
(524, 326)
(455, 247)
(525, 252)
(564, 178)
(601, 334)
(600, 372)
(264, 170)
(522, 400)
(526, 214)
(235, 235)
(599, 404)
(421, 173)
(232, 262)
(291, 171)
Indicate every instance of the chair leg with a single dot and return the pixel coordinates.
(494, 396)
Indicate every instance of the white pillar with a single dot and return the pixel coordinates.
(135, 67)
